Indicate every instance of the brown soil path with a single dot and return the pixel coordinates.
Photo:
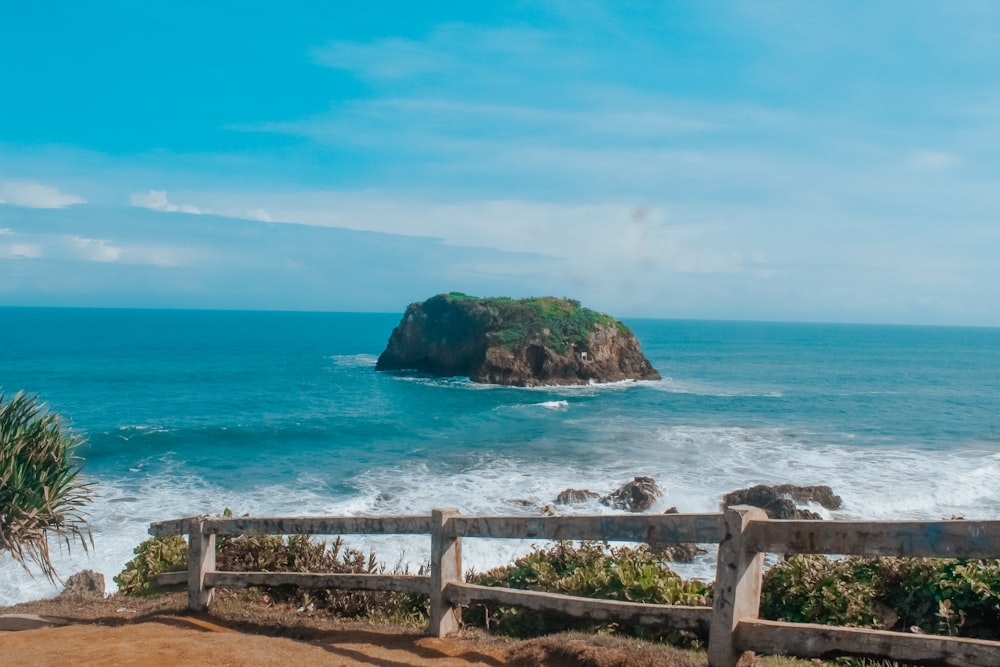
(175, 641)
(161, 632)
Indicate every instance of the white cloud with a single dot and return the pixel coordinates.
(387, 58)
(258, 214)
(20, 251)
(456, 50)
(928, 160)
(32, 194)
(159, 255)
(95, 250)
(605, 243)
(158, 201)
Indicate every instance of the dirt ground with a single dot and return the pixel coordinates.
(178, 641)
(119, 632)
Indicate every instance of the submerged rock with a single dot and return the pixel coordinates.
(779, 501)
(576, 496)
(822, 495)
(635, 496)
(683, 552)
(526, 342)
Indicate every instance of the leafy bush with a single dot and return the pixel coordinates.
(558, 323)
(589, 569)
(937, 595)
(154, 556)
(274, 553)
(40, 490)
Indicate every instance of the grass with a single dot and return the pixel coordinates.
(559, 323)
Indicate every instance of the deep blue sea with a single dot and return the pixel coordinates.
(190, 412)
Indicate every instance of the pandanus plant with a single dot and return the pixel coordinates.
(41, 493)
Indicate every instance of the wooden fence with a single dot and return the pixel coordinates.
(744, 535)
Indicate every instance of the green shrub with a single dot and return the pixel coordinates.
(154, 556)
(558, 323)
(938, 595)
(275, 553)
(589, 569)
(810, 588)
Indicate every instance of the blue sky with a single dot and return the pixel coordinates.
(820, 161)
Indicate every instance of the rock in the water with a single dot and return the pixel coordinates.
(576, 496)
(85, 584)
(528, 342)
(635, 496)
(776, 504)
(683, 552)
(822, 495)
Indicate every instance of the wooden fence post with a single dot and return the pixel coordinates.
(737, 586)
(201, 559)
(446, 567)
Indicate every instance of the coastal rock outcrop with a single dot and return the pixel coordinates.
(526, 342)
(635, 496)
(779, 502)
(84, 585)
(576, 496)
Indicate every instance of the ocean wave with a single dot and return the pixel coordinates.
(556, 405)
(700, 388)
(694, 465)
(354, 360)
(129, 431)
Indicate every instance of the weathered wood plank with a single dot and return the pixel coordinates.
(171, 527)
(446, 568)
(649, 528)
(350, 582)
(170, 578)
(674, 616)
(737, 585)
(808, 640)
(201, 560)
(315, 525)
(944, 539)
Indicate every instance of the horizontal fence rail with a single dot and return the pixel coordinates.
(297, 525)
(825, 641)
(648, 528)
(744, 535)
(934, 539)
(675, 616)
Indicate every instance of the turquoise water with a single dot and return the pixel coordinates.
(282, 413)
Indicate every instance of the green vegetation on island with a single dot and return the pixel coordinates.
(559, 323)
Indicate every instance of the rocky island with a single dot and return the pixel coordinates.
(523, 342)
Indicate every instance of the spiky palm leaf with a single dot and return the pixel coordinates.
(41, 494)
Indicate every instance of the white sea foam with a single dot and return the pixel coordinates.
(699, 388)
(354, 360)
(694, 466)
(561, 405)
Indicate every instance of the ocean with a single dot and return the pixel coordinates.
(281, 413)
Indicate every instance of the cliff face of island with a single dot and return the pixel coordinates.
(526, 342)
